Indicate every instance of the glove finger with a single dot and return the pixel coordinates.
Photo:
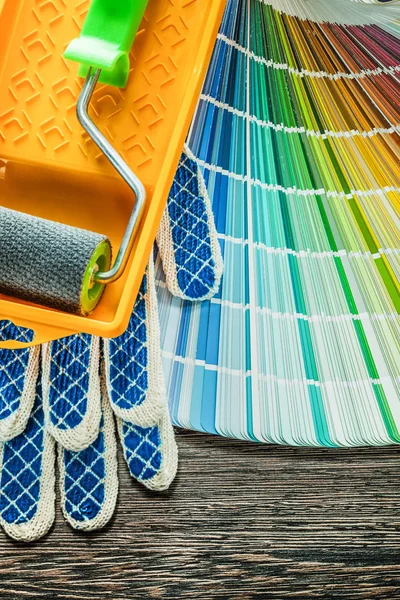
(19, 371)
(14, 333)
(27, 480)
(89, 478)
(187, 237)
(134, 376)
(151, 453)
(71, 390)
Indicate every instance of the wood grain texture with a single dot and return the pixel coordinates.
(242, 521)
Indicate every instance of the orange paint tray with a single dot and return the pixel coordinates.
(50, 168)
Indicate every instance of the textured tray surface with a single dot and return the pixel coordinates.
(45, 150)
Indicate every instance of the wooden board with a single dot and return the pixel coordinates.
(242, 521)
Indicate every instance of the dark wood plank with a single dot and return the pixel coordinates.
(242, 521)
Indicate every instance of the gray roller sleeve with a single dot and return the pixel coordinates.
(44, 262)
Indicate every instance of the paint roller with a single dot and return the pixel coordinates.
(54, 264)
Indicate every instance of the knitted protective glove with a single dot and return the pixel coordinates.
(65, 393)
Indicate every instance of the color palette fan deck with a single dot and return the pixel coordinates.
(297, 133)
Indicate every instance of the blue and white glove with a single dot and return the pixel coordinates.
(66, 394)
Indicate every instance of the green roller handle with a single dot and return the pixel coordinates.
(106, 39)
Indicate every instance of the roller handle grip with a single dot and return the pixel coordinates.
(106, 39)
